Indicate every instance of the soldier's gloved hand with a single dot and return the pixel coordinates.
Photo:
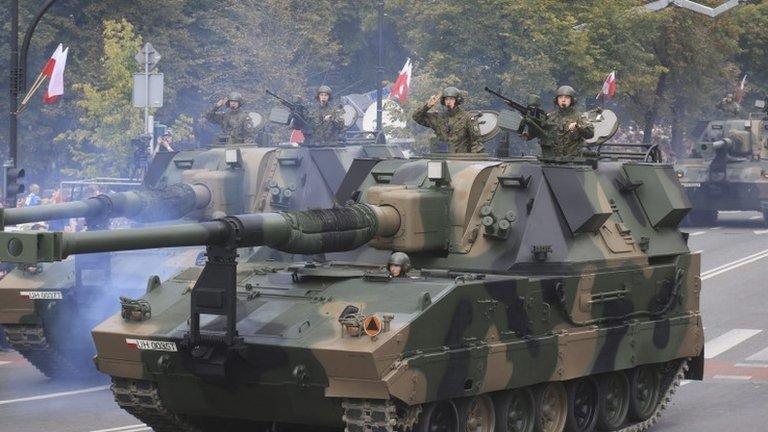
(327, 118)
(220, 103)
(572, 127)
(433, 100)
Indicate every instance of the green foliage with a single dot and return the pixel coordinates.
(108, 120)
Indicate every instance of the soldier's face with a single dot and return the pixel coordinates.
(564, 101)
(324, 98)
(450, 102)
(233, 104)
(395, 270)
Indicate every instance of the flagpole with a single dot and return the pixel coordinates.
(380, 76)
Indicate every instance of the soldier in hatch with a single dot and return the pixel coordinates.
(326, 120)
(455, 128)
(729, 105)
(236, 124)
(398, 265)
(569, 128)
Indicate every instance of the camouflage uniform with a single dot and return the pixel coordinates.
(562, 142)
(326, 131)
(236, 124)
(729, 105)
(456, 128)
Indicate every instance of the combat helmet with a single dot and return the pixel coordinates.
(566, 90)
(324, 89)
(235, 96)
(454, 93)
(401, 259)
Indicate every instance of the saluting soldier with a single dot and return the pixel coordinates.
(569, 127)
(235, 122)
(326, 120)
(729, 105)
(454, 127)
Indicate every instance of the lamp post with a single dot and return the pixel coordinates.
(380, 76)
(18, 71)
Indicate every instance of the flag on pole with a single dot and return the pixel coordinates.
(402, 84)
(54, 70)
(741, 90)
(609, 86)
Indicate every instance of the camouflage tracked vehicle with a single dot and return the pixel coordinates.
(38, 303)
(542, 295)
(728, 169)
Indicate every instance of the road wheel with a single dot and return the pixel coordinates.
(515, 411)
(440, 416)
(583, 404)
(551, 403)
(644, 392)
(614, 401)
(477, 414)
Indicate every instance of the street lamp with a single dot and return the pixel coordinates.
(18, 77)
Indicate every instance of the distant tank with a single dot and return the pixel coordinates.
(727, 169)
(544, 296)
(48, 310)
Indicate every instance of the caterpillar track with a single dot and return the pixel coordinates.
(142, 400)
(31, 342)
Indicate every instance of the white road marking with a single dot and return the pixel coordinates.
(760, 232)
(696, 233)
(55, 395)
(4, 363)
(684, 382)
(723, 343)
(760, 356)
(131, 428)
(734, 264)
(733, 377)
(751, 365)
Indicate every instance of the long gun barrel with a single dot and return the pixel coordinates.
(168, 203)
(305, 232)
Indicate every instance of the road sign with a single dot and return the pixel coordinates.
(156, 82)
(148, 53)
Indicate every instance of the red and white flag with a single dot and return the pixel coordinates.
(741, 90)
(54, 70)
(402, 84)
(609, 86)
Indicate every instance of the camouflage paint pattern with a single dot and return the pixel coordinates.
(549, 295)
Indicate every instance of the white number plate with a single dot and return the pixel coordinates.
(42, 295)
(152, 345)
(691, 184)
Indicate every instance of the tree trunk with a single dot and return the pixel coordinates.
(680, 107)
(653, 110)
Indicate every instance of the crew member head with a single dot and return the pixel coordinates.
(323, 94)
(234, 100)
(566, 97)
(398, 265)
(451, 98)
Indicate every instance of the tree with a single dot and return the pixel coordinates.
(108, 120)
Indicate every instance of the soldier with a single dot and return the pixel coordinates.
(570, 129)
(454, 127)
(235, 123)
(398, 265)
(326, 120)
(729, 105)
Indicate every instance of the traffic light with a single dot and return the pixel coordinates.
(11, 183)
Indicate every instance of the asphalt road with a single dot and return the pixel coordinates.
(731, 398)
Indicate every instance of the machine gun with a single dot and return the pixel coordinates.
(298, 118)
(534, 119)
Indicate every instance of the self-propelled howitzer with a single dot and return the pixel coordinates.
(540, 295)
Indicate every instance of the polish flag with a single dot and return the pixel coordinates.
(741, 90)
(54, 70)
(297, 137)
(609, 86)
(402, 84)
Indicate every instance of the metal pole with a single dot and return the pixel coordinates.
(380, 71)
(28, 39)
(14, 84)
(146, 105)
